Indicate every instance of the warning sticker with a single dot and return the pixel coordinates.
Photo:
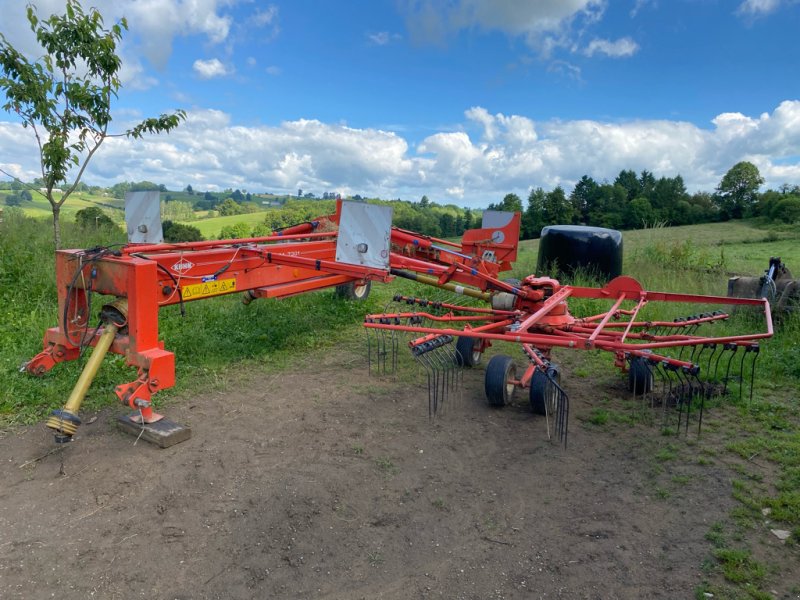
(208, 288)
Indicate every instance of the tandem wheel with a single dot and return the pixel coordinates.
(500, 380)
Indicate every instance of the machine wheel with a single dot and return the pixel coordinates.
(640, 378)
(353, 291)
(499, 372)
(541, 394)
(466, 353)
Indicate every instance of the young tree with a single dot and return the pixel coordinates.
(65, 96)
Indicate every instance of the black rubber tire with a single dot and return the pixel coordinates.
(640, 378)
(538, 391)
(351, 291)
(498, 373)
(466, 354)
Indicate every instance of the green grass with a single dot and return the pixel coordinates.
(211, 228)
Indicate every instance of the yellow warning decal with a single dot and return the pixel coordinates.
(208, 288)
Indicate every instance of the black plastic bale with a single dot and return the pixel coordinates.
(572, 247)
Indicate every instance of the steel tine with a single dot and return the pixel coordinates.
(561, 418)
(702, 407)
(741, 371)
(710, 358)
(369, 352)
(682, 388)
(395, 349)
(733, 349)
(441, 372)
(452, 365)
(755, 349)
(431, 387)
(722, 351)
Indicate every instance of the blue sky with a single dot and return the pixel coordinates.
(462, 100)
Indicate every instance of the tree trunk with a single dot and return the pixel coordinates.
(57, 226)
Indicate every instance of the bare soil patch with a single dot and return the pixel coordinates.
(319, 482)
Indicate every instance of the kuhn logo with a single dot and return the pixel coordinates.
(182, 265)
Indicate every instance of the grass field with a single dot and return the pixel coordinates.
(211, 228)
(221, 337)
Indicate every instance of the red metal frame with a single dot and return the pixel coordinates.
(541, 321)
(299, 259)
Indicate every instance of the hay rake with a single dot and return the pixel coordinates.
(354, 247)
(690, 367)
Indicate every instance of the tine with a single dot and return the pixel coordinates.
(432, 388)
(755, 350)
(722, 351)
(733, 349)
(369, 352)
(395, 350)
(741, 371)
(702, 406)
(384, 351)
(710, 358)
(679, 399)
(691, 356)
(699, 354)
(437, 356)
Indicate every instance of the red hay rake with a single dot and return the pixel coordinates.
(534, 314)
(355, 246)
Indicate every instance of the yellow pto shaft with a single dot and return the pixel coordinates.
(65, 421)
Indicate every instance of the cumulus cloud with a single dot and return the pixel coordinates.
(153, 24)
(621, 48)
(491, 155)
(208, 69)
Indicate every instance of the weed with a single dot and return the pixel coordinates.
(375, 558)
(662, 494)
(439, 504)
(681, 479)
(669, 452)
(357, 449)
(738, 566)
(715, 535)
(598, 416)
(386, 466)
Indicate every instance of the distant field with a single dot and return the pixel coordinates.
(211, 228)
(39, 207)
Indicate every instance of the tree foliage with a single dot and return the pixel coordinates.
(737, 193)
(178, 232)
(93, 218)
(65, 96)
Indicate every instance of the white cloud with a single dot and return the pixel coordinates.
(491, 155)
(640, 4)
(266, 16)
(273, 70)
(758, 7)
(621, 48)
(152, 24)
(545, 25)
(208, 69)
(382, 38)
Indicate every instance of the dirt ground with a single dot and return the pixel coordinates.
(318, 482)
